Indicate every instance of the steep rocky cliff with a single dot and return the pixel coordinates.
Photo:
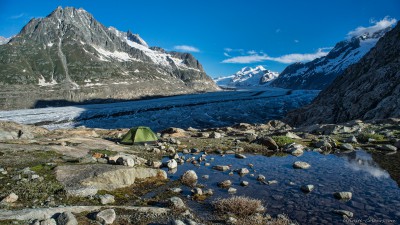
(70, 56)
(369, 89)
(319, 73)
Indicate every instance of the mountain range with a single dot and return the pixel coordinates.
(319, 73)
(247, 77)
(3, 40)
(69, 56)
(369, 89)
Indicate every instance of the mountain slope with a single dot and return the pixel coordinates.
(3, 40)
(70, 56)
(319, 73)
(247, 76)
(369, 89)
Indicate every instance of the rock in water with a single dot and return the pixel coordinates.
(225, 183)
(172, 164)
(343, 195)
(307, 188)
(344, 213)
(106, 216)
(189, 178)
(301, 165)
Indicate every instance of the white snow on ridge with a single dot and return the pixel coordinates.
(248, 76)
(43, 83)
(120, 56)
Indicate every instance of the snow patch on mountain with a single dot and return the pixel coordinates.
(247, 76)
(4, 40)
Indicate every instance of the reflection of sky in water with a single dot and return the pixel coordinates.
(362, 161)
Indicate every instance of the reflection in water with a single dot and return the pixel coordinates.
(362, 161)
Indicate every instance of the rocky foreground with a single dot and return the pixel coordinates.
(81, 175)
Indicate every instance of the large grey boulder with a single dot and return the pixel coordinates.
(107, 216)
(66, 218)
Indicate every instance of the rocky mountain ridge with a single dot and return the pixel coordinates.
(319, 73)
(369, 89)
(70, 56)
(247, 76)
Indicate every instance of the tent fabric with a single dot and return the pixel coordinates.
(139, 135)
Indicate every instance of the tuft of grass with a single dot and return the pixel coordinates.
(282, 140)
(240, 206)
(364, 137)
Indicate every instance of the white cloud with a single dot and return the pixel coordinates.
(287, 59)
(378, 25)
(251, 52)
(186, 48)
(233, 50)
(226, 54)
(17, 16)
(296, 41)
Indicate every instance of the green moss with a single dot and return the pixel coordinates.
(282, 140)
(364, 137)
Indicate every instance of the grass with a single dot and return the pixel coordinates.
(282, 140)
(364, 137)
(238, 205)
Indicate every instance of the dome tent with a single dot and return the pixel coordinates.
(139, 135)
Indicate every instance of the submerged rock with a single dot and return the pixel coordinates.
(301, 165)
(225, 184)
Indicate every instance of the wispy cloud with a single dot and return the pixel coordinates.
(233, 50)
(17, 16)
(226, 54)
(289, 58)
(186, 48)
(377, 25)
(296, 41)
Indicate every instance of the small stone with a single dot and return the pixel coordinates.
(11, 198)
(185, 151)
(240, 156)
(205, 176)
(389, 148)
(301, 165)
(307, 188)
(232, 190)
(270, 182)
(231, 220)
(172, 164)
(351, 139)
(177, 203)
(346, 146)
(244, 183)
(208, 192)
(195, 150)
(197, 191)
(261, 177)
(49, 221)
(243, 171)
(225, 184)
(268, 142)
(189, 178)
(344, 213)
(229, 152)
(175, 190)
(207, 164)
(221, 168)
(215, 135)
(66, 218)
(106, 199)
(106, 216)
(343, 195)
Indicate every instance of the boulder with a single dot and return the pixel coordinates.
(301, 165)
(346, 147)
(294, 149)
(172, 164)
(389, 148)
(215, 135)
(343, 195)
(225, 183)
(307, 188)
(106, 199)
(66, 218)
(240, 156)
(351, 139)
(49, 221)
(176, 203)
(189, 178)
(107, 216)
(268, 142)
(11, 198)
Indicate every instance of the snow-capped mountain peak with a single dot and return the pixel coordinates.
(247, 76)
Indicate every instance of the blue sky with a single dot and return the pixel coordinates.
(224, 35)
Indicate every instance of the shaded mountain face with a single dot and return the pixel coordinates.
(247, 77)
(70, 56)
(369, 89)
(319, 73)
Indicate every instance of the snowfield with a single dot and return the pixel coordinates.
(212, 109)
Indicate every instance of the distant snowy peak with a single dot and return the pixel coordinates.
(319, 73)
(247, 76)
(3, 40)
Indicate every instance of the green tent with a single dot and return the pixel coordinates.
(139, 135)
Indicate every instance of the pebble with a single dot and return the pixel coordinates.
(232, 190)
(261, 177)
(307, 188)
(343, 195)
(244, 183)
(225, 183)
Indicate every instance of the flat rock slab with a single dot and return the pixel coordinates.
(83, 180)
(46, 213)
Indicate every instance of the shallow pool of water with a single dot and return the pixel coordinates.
(375, 195)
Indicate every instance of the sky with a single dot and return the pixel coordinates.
(225, 35)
